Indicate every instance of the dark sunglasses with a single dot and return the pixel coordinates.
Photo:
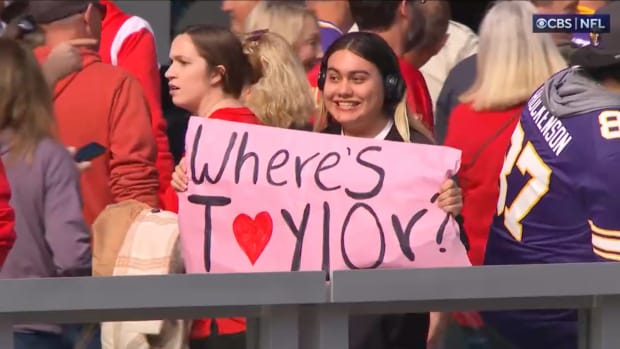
(26, 25)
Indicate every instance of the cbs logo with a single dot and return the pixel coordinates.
(553, 23)
(541, 23)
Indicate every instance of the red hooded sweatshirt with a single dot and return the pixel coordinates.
(104, 104)
(128, 42)
(7, 217)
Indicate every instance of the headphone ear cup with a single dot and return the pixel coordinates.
(321, 80)
(394, 89)
(322, 76)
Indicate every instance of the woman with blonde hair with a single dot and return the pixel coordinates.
(282, 97)
(53, 239)
(292, 21)
(512, 62)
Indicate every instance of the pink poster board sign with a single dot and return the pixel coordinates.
(266, 199)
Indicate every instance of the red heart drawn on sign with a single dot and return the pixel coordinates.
(253, 234)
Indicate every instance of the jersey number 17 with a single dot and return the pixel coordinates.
(528, 162)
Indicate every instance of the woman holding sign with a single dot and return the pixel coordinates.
(363, 96)
(225, 63)
(207, 76)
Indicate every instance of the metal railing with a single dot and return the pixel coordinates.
(302, 311)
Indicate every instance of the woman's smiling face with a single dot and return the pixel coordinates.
(353, 91)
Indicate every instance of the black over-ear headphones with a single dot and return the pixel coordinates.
(393, 84)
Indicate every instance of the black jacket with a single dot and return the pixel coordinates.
(393, 135)
(390, 331)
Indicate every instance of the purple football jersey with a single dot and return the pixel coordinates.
(558, 203)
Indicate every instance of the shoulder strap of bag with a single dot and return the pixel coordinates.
(492, 138)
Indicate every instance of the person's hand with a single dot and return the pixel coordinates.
(179, 177)
(65, 59)
(450, 198)
(81, 166)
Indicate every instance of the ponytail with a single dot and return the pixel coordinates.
(254, 68)
(278, 91)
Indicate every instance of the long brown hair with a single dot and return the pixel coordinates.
(219, 46)
(26, 108)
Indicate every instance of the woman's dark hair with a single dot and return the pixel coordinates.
(220, 47)
(374, 49)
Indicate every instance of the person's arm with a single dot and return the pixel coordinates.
(7, 217)
(138, 55)
(66, 230)
(133, 174)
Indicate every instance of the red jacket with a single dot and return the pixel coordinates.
(418, 98)
(7, 217)
(115, 117)
(202, 328)
(483, 137)
(128, 42)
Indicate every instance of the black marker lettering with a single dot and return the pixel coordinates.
(272, 166)
(380, 171)
(326, 220)
(440, 231)
(205, 170)
(298, 232)
(208, 202)
(347, 219)
(323, 167)
(404, 237)
(299, 166)
(242, 156)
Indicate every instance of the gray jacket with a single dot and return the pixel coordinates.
(53, 240)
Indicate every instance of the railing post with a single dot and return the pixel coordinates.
(279, 328)
(251, 333)
(6, 334)
(604, 323)
(583, 327)
(325, 326)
